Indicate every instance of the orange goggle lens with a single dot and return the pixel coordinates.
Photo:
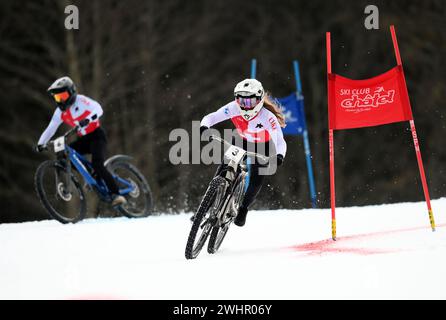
(61, 97)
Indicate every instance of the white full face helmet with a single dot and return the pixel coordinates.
(249, 96)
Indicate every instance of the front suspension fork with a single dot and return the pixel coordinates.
(64, 174)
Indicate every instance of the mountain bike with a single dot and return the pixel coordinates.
(221, 202)
(60, 183)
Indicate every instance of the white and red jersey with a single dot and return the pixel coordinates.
(262, 128)
(82, 108)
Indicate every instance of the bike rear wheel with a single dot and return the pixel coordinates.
(139, 201)
(66, 204)
(205, 217)
(218, 234)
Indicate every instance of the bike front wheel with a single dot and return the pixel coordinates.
(204, 219)
(65, 203)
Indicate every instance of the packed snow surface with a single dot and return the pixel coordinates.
(382, 252)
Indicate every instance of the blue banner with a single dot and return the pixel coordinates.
(293, 109)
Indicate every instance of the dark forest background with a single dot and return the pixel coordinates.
(158, 65)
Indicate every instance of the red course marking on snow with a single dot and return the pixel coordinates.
(330, 246)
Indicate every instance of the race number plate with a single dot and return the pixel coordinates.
(59, 144)
(235, 154)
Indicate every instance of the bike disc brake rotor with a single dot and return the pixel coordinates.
(62, 194)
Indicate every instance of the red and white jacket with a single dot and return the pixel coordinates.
(262, 128)
(82, 108)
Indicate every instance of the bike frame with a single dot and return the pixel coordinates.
(84, 167)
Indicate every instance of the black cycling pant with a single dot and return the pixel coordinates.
(95, 143)
(254, 187)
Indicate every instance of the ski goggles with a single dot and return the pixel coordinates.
(247, 103)
(61, 97)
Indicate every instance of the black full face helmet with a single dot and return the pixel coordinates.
(64, 93)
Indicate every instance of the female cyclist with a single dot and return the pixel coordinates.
(258, 121)
(80, 111)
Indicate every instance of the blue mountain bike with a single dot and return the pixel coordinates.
(60, 184)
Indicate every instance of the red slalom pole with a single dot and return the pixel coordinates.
(414, 136)
(395, 45)
(331, 144)
(422, 174)
(328, 52)
(332, 184)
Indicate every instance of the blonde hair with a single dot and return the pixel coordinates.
(275, 109)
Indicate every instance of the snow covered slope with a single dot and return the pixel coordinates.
(382, 252)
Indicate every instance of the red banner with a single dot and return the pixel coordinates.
(366, 103)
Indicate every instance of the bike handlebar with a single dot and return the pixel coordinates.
(248, 153)
(66, 135)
